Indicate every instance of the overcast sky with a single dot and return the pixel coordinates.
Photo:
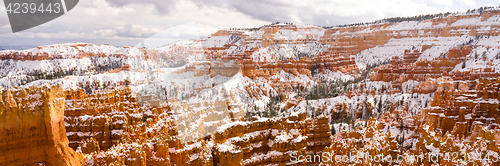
(128, 22)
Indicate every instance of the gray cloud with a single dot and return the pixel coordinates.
(163, 6)
(4, 20)
(205, 3)
(264, 10)
(296, 12)
(127, 22)
(335, 12)
(133, 30)
(290, 11)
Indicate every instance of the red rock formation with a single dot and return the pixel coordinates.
(271, 141)
(111, 128)
(222, 67)
(408, 68)
(101, 116)
(461, 111)
(32, 128)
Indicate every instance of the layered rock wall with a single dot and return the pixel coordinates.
(101, 116)
(32, 127)
(410, 68)
(464, 111)
(271, 141)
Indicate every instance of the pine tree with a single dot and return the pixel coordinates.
(379, 105)
(332, 131)
(248, 116)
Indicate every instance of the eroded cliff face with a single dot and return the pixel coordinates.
(101, 116)
(150, 135)
(271, 141)
(32, 128)
(409, 67)
(111, 127)
(413, 50)
(434, 89)
(428, 55)
(463, 112)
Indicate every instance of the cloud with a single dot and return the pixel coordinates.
(181, 32)
(104, 32)
(265, 10)
(443, 2)
(207, 3)
(328, 12)
(467, 2)
(163, 6)
(134, 30)
(127, 22)
(4, 20)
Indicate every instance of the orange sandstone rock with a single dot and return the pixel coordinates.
(33, 128)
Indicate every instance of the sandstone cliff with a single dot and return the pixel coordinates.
(403, 88)
(33, 128)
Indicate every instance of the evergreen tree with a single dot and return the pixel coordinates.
(379, 105)
(332, 131)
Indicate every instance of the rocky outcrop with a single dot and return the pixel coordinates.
(463, 111)
(101, 116)
(280, 62)
(271, 141)
(32, 127)
(110, 127)
(221, 67)
(62, 51)
(410, 68)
